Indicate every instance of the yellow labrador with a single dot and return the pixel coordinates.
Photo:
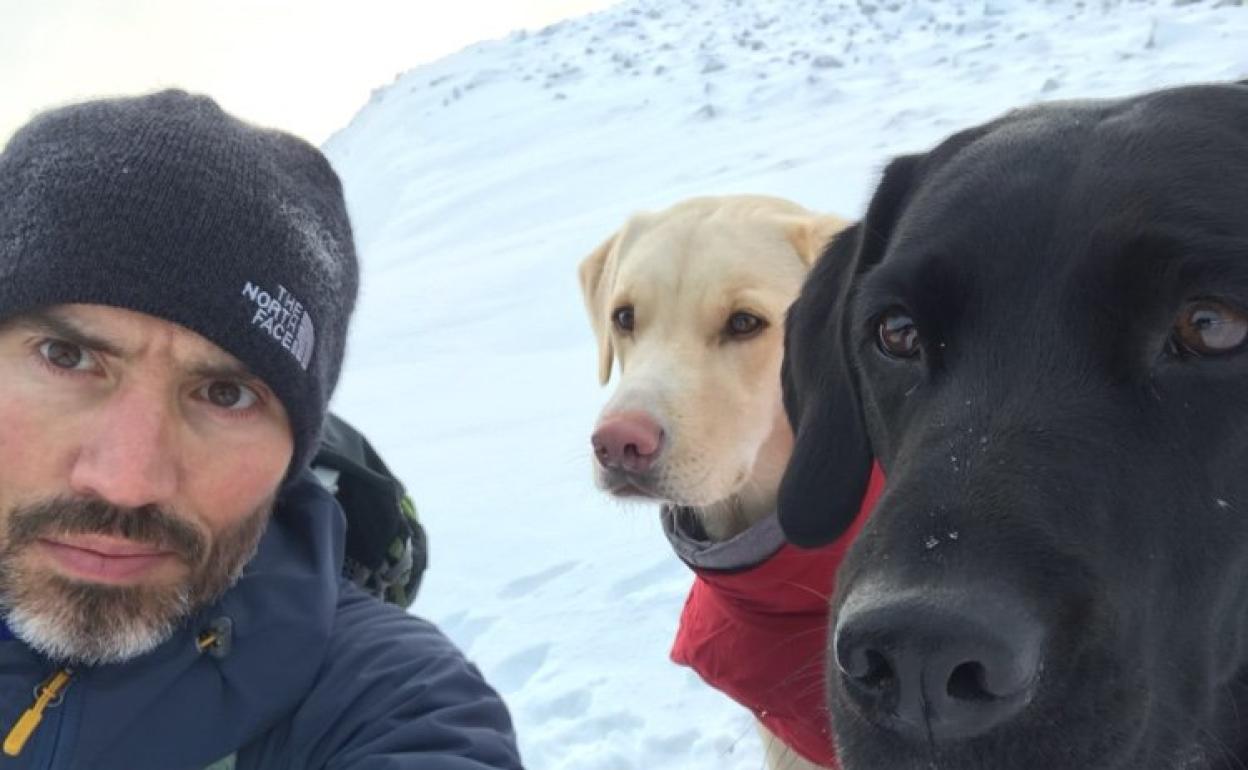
(691, 303)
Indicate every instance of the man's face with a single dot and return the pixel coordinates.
(138, 466)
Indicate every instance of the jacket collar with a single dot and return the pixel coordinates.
(280, 616)
(746, 549)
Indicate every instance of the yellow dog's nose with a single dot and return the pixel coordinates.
(628, 441)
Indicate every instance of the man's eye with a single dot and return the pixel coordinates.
(230, 395)
(66, 355)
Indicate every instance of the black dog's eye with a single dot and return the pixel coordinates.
(623, 318)
(1207, 327)
(742, 325)
(898, 336)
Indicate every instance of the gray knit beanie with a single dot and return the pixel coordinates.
(165, 205)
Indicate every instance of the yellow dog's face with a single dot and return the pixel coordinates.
(691, 302)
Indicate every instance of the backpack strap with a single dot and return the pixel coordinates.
(387, 548)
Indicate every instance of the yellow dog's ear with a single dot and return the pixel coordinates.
(597, 271)
(810, 235)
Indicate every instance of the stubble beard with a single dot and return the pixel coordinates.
(77, 622)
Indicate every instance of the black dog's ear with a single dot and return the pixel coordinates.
(827, 476)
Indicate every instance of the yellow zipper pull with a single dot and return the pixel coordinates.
(51, 690)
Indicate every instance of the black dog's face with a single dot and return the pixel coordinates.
(1040, 330)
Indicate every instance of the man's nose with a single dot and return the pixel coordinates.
(128, 456)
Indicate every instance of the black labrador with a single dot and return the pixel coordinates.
(1040, 331)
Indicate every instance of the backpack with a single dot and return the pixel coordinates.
(387, 548)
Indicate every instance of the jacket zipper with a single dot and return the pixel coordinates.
(47, 695)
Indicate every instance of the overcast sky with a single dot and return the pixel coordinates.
(302, 65)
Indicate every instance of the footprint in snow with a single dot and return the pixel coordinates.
(464, 629)
(525, 585)
(567, 705)
(667, 569)
(518, 669)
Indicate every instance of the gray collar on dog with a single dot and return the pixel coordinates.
(748, 549)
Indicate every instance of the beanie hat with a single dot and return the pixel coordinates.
(165, 205)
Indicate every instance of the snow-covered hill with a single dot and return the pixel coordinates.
(477, 183)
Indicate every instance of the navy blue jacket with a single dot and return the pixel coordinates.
(315, 674)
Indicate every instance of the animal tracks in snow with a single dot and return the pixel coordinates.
(527, 584)
(661, 571)
(517, 670)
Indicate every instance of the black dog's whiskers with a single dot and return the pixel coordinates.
(807, 589)
(1209, 751)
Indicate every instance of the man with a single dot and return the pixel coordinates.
(175, 287)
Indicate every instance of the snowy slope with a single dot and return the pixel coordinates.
(478, 182)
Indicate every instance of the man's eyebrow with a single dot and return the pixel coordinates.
(54, 324)
(224, 370)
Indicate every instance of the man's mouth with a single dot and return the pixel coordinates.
(104, 559)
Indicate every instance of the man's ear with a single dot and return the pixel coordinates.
(810, 235)
(827, 476)
(597, 272)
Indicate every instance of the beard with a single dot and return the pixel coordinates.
(80, 622)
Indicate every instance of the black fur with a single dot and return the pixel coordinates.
(1048, 440)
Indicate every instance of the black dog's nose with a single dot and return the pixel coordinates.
(946, 664)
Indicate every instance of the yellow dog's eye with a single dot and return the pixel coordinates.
(623, 318)
(742, 324)
(1207, 327)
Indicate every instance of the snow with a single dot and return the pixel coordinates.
(478, 182)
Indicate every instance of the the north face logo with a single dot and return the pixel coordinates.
(282, 317)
